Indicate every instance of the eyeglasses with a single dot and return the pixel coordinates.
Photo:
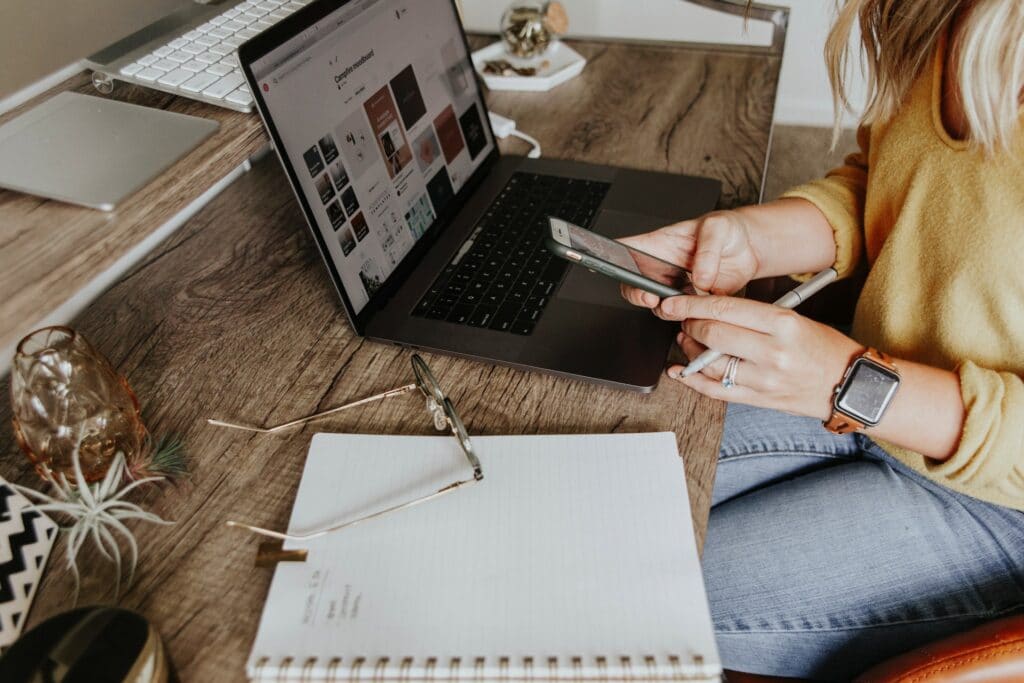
(443, 414)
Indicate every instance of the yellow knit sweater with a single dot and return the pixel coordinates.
(941, 228)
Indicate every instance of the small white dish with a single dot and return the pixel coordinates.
(563, 63)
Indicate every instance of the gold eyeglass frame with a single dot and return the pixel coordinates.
(444, 416)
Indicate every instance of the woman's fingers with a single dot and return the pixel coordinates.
(711, 242)
(728, 339)
(638, 297)
(753, 315)
(745, 370)
(713, 388)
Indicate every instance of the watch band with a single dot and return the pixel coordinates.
(841, 423)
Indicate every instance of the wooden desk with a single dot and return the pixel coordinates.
(234, 317)
(51, 251)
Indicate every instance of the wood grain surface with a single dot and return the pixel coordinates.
(50, 250)
(234, 317)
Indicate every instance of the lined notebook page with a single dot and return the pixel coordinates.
(573, 553)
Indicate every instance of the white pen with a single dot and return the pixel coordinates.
(790, 299)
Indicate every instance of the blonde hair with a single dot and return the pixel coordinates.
(898, 38)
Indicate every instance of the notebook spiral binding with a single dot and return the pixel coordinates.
(645, 668)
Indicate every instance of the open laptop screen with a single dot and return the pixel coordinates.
(381, 119)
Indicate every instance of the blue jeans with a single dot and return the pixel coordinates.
(825, 555)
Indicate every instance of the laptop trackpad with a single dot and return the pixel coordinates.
(589, 287)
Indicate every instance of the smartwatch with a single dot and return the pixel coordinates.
(865, 392)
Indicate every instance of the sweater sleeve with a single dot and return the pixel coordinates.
(840, 196)
(989, 462)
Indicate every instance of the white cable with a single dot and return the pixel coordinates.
(533, 153)
(504, 127)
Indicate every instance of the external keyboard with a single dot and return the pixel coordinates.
(200, 62)
(503, 275)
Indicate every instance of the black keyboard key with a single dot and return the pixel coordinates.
(422, 308)
(455, 288)
(493, 298)
(545, 287)
(505, 316)
(460, 314)
(523, 327)
(437, 313)
(482, 316)
(531, 313)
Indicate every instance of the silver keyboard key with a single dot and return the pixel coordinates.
(263, 25)
(232, 13)
(247, 33)
(219, 33)
(193, 49)
(293, 6)
(147, 60)
(267, 6)
(232, 26)
(245, 88)
(179, 56)
(218, 20)
(221, 49)
(164, 65)
(233, 42)
(208, 58)
(278, 15)
(131, 69)
(205, 28)
(149, 74)
(176, 77)
(239, 97)
(192, 35)
(206, 41)
(163, 51)
(224, 86)
(195, 66)
(219, 69)
(199, 82)
(178, 43)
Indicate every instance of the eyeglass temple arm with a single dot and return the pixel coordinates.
(308, 418)
(344, 525)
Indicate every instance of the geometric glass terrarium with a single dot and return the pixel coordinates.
(66, 396)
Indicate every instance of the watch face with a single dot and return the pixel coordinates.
(868, 392)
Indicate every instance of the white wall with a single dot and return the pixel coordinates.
(804, 94)
(805, 97)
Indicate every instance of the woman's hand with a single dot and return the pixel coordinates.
(787, 362)
(716, 248)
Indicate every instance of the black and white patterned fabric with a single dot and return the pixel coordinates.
(26, 537)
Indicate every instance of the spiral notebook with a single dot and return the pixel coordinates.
(573, 559)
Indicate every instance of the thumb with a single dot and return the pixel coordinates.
(711, 242)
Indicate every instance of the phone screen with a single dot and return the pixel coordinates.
(633, 260)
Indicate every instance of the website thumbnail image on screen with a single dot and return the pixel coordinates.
(377, 109)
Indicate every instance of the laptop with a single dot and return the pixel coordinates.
(432, 238)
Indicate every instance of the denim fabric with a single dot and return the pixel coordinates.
(824, 555)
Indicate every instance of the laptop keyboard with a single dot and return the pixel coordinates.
(503, 275)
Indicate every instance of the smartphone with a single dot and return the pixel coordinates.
(616, 260)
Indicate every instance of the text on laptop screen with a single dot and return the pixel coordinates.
(379, 113)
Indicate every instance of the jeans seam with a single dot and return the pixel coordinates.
(755, 454)
(902, 622)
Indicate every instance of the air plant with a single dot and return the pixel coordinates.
(165, 461)
(96, 511)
